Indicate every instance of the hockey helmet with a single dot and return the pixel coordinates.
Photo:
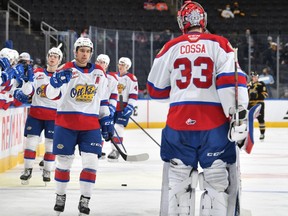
(125, 61)
(55, 51)
(83, 42)
(254, 74)
(104, 58)
(191, 14)
(24, 56)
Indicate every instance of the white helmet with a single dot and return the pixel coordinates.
(103, 58)
(10, 54)
(55, 51)
(6, 53)
(24, 56)
(83, 42)
(126, 61)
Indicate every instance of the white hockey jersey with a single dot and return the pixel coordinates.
(82, 101)
(112, 88)
(196, 72)
(41, 107)
(128, 88)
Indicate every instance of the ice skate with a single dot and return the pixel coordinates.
(113, 156)
(262, 136)
(103, 155)
(60, 203)
(41, 164)
(83, 206)
(27, 174)
(46, 176)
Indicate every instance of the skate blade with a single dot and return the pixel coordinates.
(81, 214)
(57, 213)
(24, 182)
(113, 160)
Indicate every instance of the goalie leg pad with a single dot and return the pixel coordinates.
(164, 204)
(234, 189)
(214, 180)
(182, 184)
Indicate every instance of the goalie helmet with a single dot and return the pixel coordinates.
(55, 51)
(83, 42)
(191, 14)
(104, 58)
(125, 61)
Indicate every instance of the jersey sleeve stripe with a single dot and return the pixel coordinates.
(157, 93)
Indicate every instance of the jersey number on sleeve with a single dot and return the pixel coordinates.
(187, 72)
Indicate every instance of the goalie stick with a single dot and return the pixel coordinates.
(238, 211)
(132, 158)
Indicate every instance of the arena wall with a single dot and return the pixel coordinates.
(149, 114)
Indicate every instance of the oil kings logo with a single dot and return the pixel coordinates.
(83, 93)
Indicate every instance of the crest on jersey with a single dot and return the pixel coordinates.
(41, 91)
(83, 93)
(120, 88)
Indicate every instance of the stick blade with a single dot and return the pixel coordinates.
(138, 157)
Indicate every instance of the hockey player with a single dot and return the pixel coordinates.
(127, 98)
(257, 93)
(11, 77)
(83, 109)
(41, 116)
(195, 72)
(104, 61)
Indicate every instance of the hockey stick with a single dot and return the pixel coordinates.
(125, 156)
(236, 85)
(238, 209)
(122, 107)
(132, 158)
(120, 140)
(145, 131)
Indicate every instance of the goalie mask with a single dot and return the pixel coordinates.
(191, 14)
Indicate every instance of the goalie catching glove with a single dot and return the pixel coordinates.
(61, 77)
(238, 130)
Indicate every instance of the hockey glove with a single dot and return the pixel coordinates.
(7, 75)
(107, 128)
(4, 63)
(28, 74)
(127, 112)
(61, 77)
(112, 110)
(238, 130)
(20, 96)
